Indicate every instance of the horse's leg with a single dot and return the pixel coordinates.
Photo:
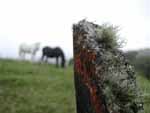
(32, 56)
(62, 60)
(20, 54)
(57, 61)
(46, 59)
(23, 55)
(42, 58)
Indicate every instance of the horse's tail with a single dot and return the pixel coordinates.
(63, 59)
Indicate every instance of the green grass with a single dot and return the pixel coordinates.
(144, 85)
(27, 87)
(35, 88)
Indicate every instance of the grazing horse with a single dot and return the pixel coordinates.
(28, 49)
(57, 52)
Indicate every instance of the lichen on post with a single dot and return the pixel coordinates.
(104, 80)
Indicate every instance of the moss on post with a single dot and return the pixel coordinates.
(105, 82)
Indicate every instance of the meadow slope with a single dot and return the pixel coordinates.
(35, 88)
(27, 87)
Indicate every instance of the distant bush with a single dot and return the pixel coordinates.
(140, 59)
(71, 61)
(143, 65)
(131, 56)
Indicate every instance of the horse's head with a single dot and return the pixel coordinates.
(37, 45)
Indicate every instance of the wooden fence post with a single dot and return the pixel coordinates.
(95, 72)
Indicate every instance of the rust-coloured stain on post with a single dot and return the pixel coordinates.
(85, 69)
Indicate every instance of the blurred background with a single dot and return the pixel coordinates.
(27, 87)
(50, 22)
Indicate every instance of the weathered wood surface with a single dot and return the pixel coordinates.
(103, 77)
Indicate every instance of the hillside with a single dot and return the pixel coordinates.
(35, 88)
(26, 87)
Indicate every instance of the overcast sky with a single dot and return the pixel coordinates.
(50, 22)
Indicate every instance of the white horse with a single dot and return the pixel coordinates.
(28, 49)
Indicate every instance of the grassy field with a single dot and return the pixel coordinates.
(40, 88)
(35, 88)
(144, 85)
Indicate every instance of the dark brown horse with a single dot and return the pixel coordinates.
(48, 52)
